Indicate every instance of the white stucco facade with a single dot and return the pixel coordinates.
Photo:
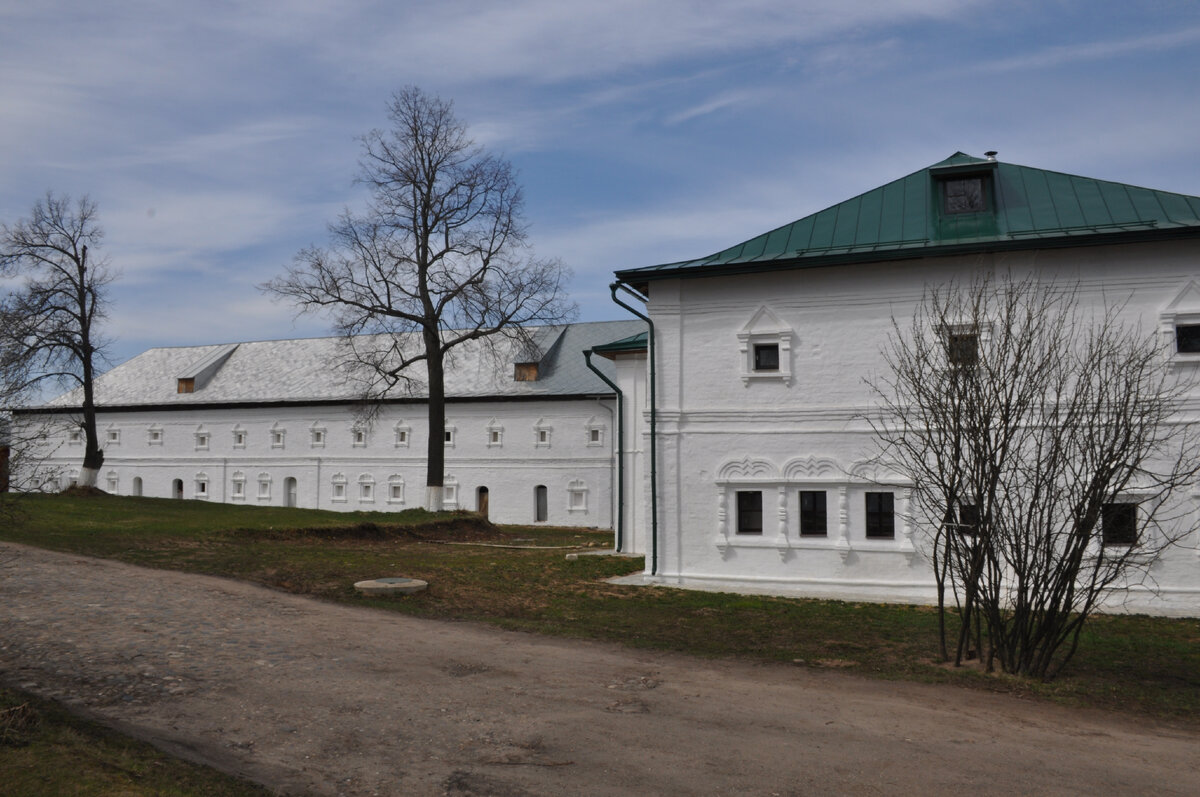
(535, 450)
(795, 430)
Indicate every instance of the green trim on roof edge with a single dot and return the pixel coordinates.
(1027, 208)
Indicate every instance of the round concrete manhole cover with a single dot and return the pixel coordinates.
(390, 586)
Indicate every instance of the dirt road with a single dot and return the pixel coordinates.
(310, 697)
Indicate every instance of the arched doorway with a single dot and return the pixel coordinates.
(177, 488)
(289, 491)
(541, 504)
(481, 501)
(137, 485)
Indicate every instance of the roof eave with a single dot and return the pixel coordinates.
(639, 278)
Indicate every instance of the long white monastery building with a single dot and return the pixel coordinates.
(528, 436)
(762, 474)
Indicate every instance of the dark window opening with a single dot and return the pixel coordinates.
(812, 513)
(749, 512)
(1118, 524)
(766, 357)
(1187, 338)
(881, 515)
(962, 349)
(968, 519)
(541, 504)
(965, 195)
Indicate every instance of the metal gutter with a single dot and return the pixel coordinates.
(653, 418)
(620, 525)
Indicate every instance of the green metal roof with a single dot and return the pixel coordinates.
(1026, 208)
(632, 343)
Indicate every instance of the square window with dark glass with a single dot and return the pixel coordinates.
(881, 515)
(813, 521)
(1118, 524)
(964, 195)
(749, 512)
(962, 349)
(766, 357)
(1187, 338)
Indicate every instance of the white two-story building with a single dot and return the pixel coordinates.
(528, 435)
(762, 474)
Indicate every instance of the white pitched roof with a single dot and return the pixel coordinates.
(311, 369)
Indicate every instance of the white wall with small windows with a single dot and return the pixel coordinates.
(247, 456)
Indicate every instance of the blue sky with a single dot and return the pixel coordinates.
(218, 138)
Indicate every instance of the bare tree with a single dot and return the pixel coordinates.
(439, 257)
(1046, 458)
(53, 315)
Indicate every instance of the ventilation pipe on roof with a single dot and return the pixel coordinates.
(587, 358)
(653, 431)
(991, 154)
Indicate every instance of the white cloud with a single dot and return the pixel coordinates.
(1092, 51)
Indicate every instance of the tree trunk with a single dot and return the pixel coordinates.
(435, 473)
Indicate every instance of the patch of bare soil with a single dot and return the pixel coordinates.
(458, 527)
(79, 491)
(316, 698)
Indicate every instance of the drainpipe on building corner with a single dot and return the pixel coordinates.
(587, 358)
(653, 417)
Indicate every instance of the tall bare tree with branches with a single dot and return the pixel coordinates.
(438, 258)
(52, 316)
(1046, 457)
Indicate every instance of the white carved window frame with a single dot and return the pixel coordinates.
(112, 482)
(781, 488)
(239, 437)
(317, 435)
(403, 434)
(338, 493)
(366, 489)
(594, 432)
(450, 493)
(278, 437)
(495, 434)
(395, 489)
(202, 492)
(203, 438)
(264, 487)
(577, 493)
(765, 329)
(542, 433)
(155, 435)
(238, 493)
(1184, 309)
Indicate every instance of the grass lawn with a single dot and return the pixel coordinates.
(1132, 664)
(45, 750)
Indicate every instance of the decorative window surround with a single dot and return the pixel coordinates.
(202, 493)
(403, 434)
(395, 489)
(239, 437)
(1183, 311)
(278, 436)
(358, 437)
(763, 335)
(542, 432)
(202, 438)
(112, 482)
(954, 342)
(450, 493)
(317, 433)
(339, 488)
(495, 434)
(450, 434)
(595, 432)
(112, 436)
(75, 437)
(264, 487)
(781, 490)
(366, 489)
(155, 435)
(238, 492)
(577, 496)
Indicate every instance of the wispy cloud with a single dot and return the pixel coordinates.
(1092, 51)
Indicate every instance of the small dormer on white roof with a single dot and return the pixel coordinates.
(201, 372)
